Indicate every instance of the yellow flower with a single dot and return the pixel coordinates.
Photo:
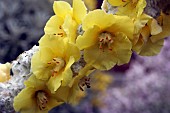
(66, 20)
(70, 93)
(35, 98)
(106, 40)
(164, 22)
(91, 4)
(132, 8)
(147, 29)
(5, 72)
(53, 61)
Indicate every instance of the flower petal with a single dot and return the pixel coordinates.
(128, 10)
(54, 82)
(98, 18)
(137, 47)
(118, 2)
(46, 54)
(140, 22)
(165, 28)
(63, 93)
(53, 25)
(24, 101)
(140, 7)
(70, 27)
(121, 23)
(122, 47)
(35, 83)
(62, 8)
(56, 44)
(154, 27)
(151, 49)
(79, 10)
(71, 50)
(90, 37)
(52, 102)
(67, 73)
(39, 67)
(145, 33)
(68, 94)
(99, 59)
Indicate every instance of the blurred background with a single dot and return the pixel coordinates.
(142, 86)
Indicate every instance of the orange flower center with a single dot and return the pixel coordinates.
(42, 100)
(61, 33)
(105, 40)
(57, 64)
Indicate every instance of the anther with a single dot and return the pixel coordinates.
(41, 99)
(101, 40)
(100, 47)
(105, 40)
(61, 34)
(60, 27)
(49, 63)
(54, 72)
(110, 49)
(84, 81)
(56, 64)
(81, 88)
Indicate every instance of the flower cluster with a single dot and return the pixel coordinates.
(149, 33)
(77, 42)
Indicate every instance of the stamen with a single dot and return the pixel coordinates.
(54, 72)
(49, 63)
(84, 81)
(110, 49)
(105, 39)
(101, 40)
(42, 100)
(61, 34)
(57, 64)
(81, 88)
(60, 27)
